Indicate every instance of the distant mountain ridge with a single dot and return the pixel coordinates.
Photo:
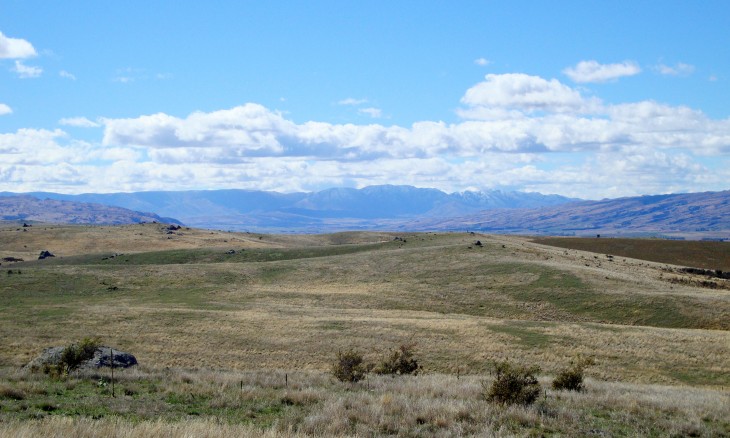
(407, 208)
(701, 214)
(263, 210)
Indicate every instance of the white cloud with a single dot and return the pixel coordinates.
(5, 109)
(531, 133)
(27, 71)
(67, 75)
(679, 69)
(352, 101)
(15, 48)
(375, 113)
(78, 122)
(516, 91)
(592, 71)
(482, 62)
(36, 146)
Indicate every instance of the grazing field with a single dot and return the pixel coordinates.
(237, 332)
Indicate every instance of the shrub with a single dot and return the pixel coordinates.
(513, 384)
(571, 378)
(350, 367)
(76, 354)
(400, 361)
(12, 393)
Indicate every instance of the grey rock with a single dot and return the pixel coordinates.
(103, 357)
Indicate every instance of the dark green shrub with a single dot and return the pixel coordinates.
(350, 367)
(400, 361)
(571, 378)
(76, 354)
(513, 384)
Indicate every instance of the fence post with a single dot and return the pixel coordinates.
(111, 361)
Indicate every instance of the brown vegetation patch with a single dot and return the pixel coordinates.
(698, 254)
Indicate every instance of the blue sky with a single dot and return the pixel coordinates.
(585, 99)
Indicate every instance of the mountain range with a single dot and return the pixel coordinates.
(694, 215)
(387, 207)
(308, 211)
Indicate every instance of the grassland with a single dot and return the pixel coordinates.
(205, 310)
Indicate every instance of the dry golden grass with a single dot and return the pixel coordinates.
(291, 302)
(463, 306)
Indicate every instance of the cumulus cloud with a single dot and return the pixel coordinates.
(679, 69)
(78, 122)
(5, 109)
(592, 71)
(500, 94)
(37, 146)
(27, 71)
(251, 130)
(518, 131)
(15, 48)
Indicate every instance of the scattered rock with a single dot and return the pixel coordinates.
(25, 225)
(45, 254)
(231, 251)
(12, 259)
(479, 243)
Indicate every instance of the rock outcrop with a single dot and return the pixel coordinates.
(103, 357)
(45, 254)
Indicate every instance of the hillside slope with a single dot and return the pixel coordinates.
(702, 214)
(29, 208)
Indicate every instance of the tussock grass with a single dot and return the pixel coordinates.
(184, 402)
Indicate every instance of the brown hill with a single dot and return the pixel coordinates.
(691, 215)
(28, 208)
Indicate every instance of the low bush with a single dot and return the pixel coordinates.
(571, 378)
(350, 367)
(12, 393)
(400, 361)
(73, 356)
(513, 384)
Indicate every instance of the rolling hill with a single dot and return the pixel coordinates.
(32, 209)
(691, 214)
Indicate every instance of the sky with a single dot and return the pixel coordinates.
(588, 99)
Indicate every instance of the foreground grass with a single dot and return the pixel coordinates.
(275, 403)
